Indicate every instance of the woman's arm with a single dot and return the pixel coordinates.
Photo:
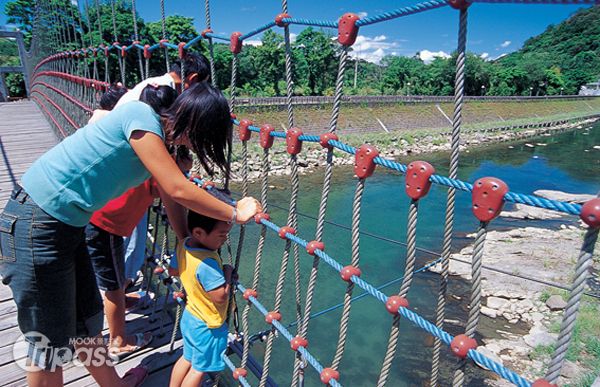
(177, 215)
(152, 152)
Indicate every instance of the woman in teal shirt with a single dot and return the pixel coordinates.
(42, 240)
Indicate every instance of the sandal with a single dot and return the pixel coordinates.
(141, 340)
(138, 374)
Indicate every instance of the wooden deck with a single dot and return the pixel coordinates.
(24, 136)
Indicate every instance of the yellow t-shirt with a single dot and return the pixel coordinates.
(193, 272)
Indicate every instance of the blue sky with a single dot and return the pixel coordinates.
(494, 29)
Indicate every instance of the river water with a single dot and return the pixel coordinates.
(566, 162)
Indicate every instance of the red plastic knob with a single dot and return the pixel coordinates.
(394, 303)
(347, 272)
(194, 177)
(298, 341)
(590, 213)
(177, 295)
(248, 293)
(206, 31)
(488, 198)
(235, 44)
(329, 373)
(162, 42)
(325, 137)
(181, 49)
(347, 29)
(286, 230)
(279, 19)
(543, 383)
(147, 52)
(313, 245)
(364, 164)
(461, 345)
(244, 131)
(417, 179)
(260, 216)
(123, 51)
(272, 316)
(294, 145)
(159, 270)
(459, 4)
(266, 140)
(239, 373)
(207, 183)
(233, 116)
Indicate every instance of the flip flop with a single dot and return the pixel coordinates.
(139, 374)
(140, 342)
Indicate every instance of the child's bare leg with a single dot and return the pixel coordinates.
(193, 378)
(180, 370)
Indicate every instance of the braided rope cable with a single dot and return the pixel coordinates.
(136, 37)
(79, 23)
(163, 25)
(355, 261)
(288, 76)
(451, 197)
(213, 70)
(409, 270)
(163, 250)
(175, 327)
(475, 302)
(584, 264)
(120, 59)
(421, 7)
(339, 90)
(99, 20)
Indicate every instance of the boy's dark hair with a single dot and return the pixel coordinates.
(160, 98)
(112, 95)
(193, 63)
(202, 114)
(206, 223)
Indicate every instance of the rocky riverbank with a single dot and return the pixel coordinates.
(391, 146)
(545, 254)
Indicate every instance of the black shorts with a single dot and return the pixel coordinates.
(108, 257)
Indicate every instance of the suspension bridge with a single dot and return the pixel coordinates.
(65, 86)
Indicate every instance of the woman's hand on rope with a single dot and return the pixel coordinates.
(246, 209)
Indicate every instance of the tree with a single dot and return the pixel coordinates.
(316, 63)
(21, 13)
(270, 59)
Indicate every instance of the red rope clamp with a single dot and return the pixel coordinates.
(206, 31)
(461, 345)
(329, 373)
(394, 303)
(159, 270)
(286, 230)
(207, 184)
(106, 51)
(162, 42)
(248, 293)
(260, 216)
(590, 213)
(243, 130)
(194, 176)
(272, 316)
(123, 51)
(239, 373)
(279, 20)
(235, 44)
(324, 139)
(298, 342)
(347, 29)
(459, 4)
(147, 52)
(177, 295)
(181, 49)
(543, 383)
(85, 52)
(313, 245)
(94, 51)
(488, 198)
(233, 116)
(417, 179)
(348, 272)
(364, 166)
(266, 141)
(294, 145)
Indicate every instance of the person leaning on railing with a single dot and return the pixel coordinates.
(44, 255)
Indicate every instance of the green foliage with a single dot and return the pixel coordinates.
(20, 13)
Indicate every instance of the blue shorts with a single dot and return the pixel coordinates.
(46, 264)
(108, 257)
(202, 346)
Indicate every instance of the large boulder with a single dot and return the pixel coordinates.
(556, 302)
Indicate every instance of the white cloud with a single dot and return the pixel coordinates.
(428, 56)
(500, 56)
(362, 15)
(373, 49)
(253, 42)
(505, 44)
(485, 55)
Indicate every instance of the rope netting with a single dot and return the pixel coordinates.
(67, 84)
